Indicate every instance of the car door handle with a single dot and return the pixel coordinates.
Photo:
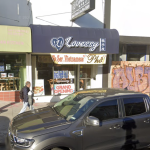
(78, 132)
(117, 126)
(146, 121)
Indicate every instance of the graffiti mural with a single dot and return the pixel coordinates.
(131, 75)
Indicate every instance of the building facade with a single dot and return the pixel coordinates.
(60, 15)
(15, 44)
(41, 66)
(130, 68)
(68, 59)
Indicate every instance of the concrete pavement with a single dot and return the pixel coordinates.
(9, 110)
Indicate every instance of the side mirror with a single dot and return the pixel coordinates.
(92, 121)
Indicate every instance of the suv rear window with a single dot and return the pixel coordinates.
(134, 106)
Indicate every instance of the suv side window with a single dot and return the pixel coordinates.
(106, 110)
(134, 106)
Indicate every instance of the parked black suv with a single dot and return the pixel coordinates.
(97, 119)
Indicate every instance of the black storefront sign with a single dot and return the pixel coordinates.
(56, 39)
(81, 7)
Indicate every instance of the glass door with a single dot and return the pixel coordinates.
(85, 77)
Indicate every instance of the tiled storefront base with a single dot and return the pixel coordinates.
(12, 96)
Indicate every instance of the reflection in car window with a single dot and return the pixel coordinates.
(106, 110)
(134, 106)
(74, 105)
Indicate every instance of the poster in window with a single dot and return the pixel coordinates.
(10, 74)
(64, 88)
(38, 87)
(66, 74)
(61, 74)
(8, 67)
(56, 75)
(3, 75)
(2, 68)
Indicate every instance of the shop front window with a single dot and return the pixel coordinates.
(64, 79)
(41, 72)
(12, 71)
(136, 53)
(85, 77)
(52, 79)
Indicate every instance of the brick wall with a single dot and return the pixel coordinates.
(12, 96)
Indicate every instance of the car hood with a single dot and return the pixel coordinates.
(37, 122)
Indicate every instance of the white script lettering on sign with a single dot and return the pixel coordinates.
(58, 44)
(92, 45)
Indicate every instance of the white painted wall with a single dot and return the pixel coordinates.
(49, 7)
(97, 73)
(29, 69)
(131, 17)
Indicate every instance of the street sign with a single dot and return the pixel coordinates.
(81, 7)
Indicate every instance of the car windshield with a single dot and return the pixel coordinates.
(74, 105)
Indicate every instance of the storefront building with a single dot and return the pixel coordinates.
(130, 68)
(68, 59)
(15, 44)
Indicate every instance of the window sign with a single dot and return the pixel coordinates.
(38, 87)
(64, 88)
(3, 75)
(56, 75)
(2, 69)
(78, 59)
(103, 44)
(8, 67)
(66, 74)
(61, 74)
(10, 74)
(81, 7)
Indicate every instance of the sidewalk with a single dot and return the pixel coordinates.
(9, 110)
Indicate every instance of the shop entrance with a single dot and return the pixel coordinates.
(52, 79)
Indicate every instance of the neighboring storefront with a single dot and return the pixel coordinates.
(130, 68)
(15, 43)
(68, 59)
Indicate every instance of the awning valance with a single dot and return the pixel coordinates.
(57, 39)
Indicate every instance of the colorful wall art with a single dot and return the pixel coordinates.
(131, 75)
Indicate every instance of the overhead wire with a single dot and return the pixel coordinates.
(51, 15)
(9, 18)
